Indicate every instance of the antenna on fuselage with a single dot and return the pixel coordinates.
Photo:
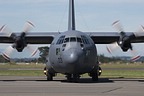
(71, 21)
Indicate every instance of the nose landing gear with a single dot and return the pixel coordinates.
(73, 77)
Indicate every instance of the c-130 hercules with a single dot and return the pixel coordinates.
(72, 52)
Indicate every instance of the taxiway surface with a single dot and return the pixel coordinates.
(38, 86)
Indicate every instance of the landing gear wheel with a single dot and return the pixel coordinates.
(76, 78)
(49, 77)
(69, 77)
(95, 77)
(73, 77)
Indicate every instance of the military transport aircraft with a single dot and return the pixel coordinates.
(72, 52)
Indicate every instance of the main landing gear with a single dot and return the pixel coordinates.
(95, 74)
(74, 77)
(49, 75)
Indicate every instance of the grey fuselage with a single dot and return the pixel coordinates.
(72, 52)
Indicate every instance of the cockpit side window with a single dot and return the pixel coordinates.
(79, 40)
(85, 40)
(60, 40)
(66, 40)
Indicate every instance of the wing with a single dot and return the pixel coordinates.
(40, 38)
(110, 37)
(30, 38)
(97, 37)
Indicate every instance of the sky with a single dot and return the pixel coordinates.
(91, 16)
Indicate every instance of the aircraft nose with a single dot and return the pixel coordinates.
(72, 59)
(72, 56)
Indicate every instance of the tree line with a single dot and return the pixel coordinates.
(2, 60)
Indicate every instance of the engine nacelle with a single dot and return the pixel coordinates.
(125, 41)
(125, 46)
(20, 43)
(20, 48)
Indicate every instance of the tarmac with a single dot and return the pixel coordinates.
(38, 86)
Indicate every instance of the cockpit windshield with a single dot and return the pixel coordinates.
(60, 40)
(81, 39)
(72, 39)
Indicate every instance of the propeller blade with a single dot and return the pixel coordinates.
(112, 47)
(5, 56)
(6, 31)
(7, 53)
(138, 33)
(28, 26)
(108, 49)
(1, 29)
(32, 50)
(136, 56)
(117, 25)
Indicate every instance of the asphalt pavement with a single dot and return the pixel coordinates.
(38, 86)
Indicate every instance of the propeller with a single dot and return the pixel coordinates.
(19, 40)
(124, 41)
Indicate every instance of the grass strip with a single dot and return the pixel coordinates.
(130, 72)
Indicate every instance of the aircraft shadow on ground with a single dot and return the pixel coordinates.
(89, 80)
(141, 80)
(82, 80)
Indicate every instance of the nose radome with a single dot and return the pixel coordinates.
(72, 56)
(72, 59)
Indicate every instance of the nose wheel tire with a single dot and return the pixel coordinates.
(73, 77)
(69, 77)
